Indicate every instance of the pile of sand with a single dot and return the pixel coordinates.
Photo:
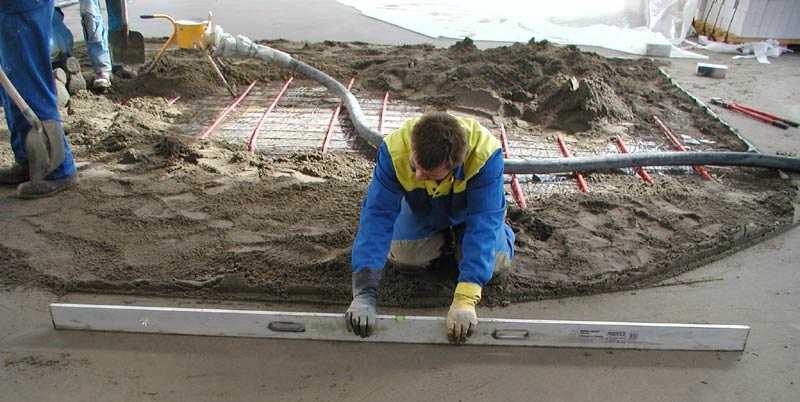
(158, 212)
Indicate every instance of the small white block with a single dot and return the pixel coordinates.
(712, 70)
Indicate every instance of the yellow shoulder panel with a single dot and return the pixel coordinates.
(481, 144)
(399, 145)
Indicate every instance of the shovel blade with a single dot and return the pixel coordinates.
(45, 149)
(127, 47)
(38, 156)
(54, 135)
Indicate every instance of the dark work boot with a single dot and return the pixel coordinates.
(45, 188)
(16, 174)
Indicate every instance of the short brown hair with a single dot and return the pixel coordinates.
(438, 138)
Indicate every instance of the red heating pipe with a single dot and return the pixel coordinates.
(639, 170)
(759, 116)
(383, 112)
(251, 144)
(516, 189)
(565, 153)
(677, 144)
(326, 141)
(767, 115)
(226, 112)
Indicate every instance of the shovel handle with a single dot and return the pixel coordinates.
(19, 101)
(123, 9)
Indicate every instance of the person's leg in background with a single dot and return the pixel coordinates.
(96, 36)
(25, 57)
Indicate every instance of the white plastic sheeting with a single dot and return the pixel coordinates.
(751, 50)
(624, 25)
(671, 18)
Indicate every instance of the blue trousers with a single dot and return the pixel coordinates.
(61, 42)
(25, 57)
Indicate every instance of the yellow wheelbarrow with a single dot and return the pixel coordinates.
(187, 34)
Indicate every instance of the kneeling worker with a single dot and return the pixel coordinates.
(435, 174)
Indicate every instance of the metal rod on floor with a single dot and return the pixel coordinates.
(562, 146)
(172, 101)
(639, 170)
(327, 140)
(220, 75)
(251, 144)
(677, 144)
(516, 189)
(226, 112)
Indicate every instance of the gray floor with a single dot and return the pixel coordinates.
(759, 286)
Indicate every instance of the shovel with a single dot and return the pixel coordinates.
(127, 47)
(44, 142)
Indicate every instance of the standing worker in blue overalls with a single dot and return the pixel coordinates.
(436, 174)
(25, 30)
(96, 36)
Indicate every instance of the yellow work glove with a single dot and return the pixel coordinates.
(461, 319)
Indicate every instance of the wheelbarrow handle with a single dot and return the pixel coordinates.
(152, 16)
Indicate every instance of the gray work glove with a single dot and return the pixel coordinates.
(362, 316)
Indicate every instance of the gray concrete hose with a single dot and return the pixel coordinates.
(618, 161)
(226, 45)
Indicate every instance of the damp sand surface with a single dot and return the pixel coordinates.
(160, 212)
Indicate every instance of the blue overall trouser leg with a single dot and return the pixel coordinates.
(25, 58)
(96, 36)
(62, 41)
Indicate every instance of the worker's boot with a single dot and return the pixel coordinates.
(75, 81)
(102, 82)
(16, 174)
(45, 188)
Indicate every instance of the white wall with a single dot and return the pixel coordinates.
(756, 18)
